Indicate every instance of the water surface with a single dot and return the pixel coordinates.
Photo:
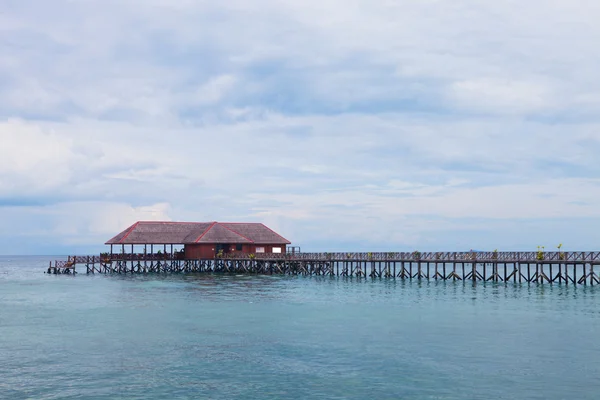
(268, 337)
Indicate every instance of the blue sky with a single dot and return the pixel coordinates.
(389, 125)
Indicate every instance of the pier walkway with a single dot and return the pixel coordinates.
(529, 267)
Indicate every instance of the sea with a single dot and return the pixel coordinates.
(206, 336)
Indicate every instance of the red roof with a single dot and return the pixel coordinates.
(152, 232)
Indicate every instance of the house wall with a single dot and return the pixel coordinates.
(199, 251)
(207, 251)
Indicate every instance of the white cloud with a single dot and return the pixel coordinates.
(64, 227)
(32, 158)
(106, 219)
(501, 97)
(325, 119)
(214, 90)
(255, 170)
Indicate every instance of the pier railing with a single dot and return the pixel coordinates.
(480, 257)
(490, 257)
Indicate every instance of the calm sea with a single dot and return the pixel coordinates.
(263, 337)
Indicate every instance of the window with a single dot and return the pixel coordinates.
(238, 247)
(260, 249)
(276, 249)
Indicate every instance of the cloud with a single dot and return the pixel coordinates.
(214, 90)
(501, 97)
(377, 124)
(80, 226)
(81, 222)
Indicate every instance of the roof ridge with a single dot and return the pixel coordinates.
(237, 233)
(206, 231)
(128, 230)
(172, 222)
(131, 228)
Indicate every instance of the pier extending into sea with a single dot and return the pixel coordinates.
(568, 268)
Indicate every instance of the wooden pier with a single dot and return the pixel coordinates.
(62, 267)
(569, 268)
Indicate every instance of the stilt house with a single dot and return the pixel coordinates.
(200, 240)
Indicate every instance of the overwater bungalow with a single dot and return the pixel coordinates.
(198, 240)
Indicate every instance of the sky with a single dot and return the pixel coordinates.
(344, 125)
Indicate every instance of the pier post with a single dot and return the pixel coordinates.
(560, 277)
(454, 274)
(485, 272)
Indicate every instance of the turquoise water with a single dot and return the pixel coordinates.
(256, 337)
